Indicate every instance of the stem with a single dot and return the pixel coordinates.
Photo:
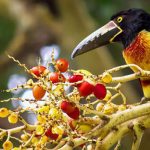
(27, 143)
(2, 134)
(138, 134)
(61, 143)
(118, 145)
(115, 69)
(17, 129)
(67, 146)
(125, 78)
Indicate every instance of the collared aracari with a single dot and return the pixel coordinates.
(130, 27)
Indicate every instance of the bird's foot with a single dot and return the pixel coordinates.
(144, 100)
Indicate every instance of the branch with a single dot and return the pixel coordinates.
(122, 130)
(121, 117)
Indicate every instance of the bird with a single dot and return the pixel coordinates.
(131, 28)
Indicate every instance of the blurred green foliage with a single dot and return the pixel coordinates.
(101, 10)
(7, 31)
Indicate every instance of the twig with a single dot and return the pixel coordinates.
(138, 134)
(118, 145)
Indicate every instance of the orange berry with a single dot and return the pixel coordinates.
(38, 70)
(38, 92)
(62, 64)
(67, 107)
(56, 77)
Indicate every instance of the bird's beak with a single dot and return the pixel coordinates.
(100, 37)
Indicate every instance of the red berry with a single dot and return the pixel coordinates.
(67, 107)
(51, 135)
(100, 91)
(62, 64)
(38, 70)
(38, 92)
(75, 78)
(75, 114)
(57, 77)
(85, 88)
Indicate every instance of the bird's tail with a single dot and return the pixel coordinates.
(146, 87)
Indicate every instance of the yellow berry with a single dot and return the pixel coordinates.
(24, 137)
(99, 106)
(44, 139)
(41, 119)
(35, 140)
(84, 128)
(54, 113)
(39, 130)
(108, 96)
(13, 118)
(7, 145)
(109, 108)
(4, 112)
(106, 77)
(43, 109)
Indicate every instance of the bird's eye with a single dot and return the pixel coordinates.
(119, 19)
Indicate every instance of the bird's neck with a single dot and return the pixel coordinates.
(128, 39)
(141, 40)
(134, 43)
(138, 52)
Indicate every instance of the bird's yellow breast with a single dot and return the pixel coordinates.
(138, 52)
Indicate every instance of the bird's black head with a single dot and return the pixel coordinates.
(131, 21)
(123, 27)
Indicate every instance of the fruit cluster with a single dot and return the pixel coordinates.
(72, 101)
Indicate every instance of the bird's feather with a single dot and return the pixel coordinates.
(138, 52)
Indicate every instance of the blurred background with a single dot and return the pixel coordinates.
(30, 29)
